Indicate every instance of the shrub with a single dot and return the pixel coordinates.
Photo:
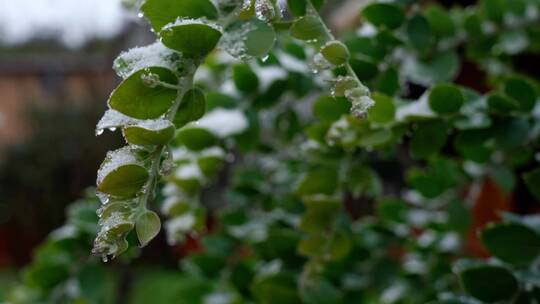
(365, 198)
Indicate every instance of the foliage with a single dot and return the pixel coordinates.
(366, 198)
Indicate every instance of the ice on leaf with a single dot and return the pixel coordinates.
(154, 55)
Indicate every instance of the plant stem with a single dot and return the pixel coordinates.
(184, 84)
(167, 85)
(329, 37)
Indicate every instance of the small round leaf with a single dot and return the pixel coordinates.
(163, 12)
(501, 104)
(383, 110)
(336, 53)
(489, 283)
(245, 79)
(121, 174)
(195, 139)
(328, 109)
(146, 133)
(384, 14)
(192, 107)
(512, 243)
(124, 181)
(445, 98)
(193, 38)
(307, 28)
(147, 227)
(521, 91)
(136, 99)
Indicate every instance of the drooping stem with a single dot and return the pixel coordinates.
(184, 84)
(167, 85)
(330, 37)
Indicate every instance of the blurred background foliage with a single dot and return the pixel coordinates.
(374, 260)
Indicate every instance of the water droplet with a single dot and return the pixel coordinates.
(112, 129)
(265, 58)
(99, 132)
(104, 258)
(140, 15)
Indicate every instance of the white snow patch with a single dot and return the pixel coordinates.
(189, 171)
(224, 122)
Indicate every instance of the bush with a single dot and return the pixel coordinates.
(359, 183)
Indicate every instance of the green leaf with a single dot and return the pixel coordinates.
(136, 99)
(192, 107)
(307, 28)
(493, 9)
(251, 38)
(320, 215)
(440, 21)
(532, 180)
(336, 53)
(191, 38)
(419, 32)
(321, 292)
(511, 133)
(424, 183)
(147, 226)
(512, 243)
(245, 79)
(121, 174)
(392, 209)
(149, 132)
(163, 12)
(384, 14)
(504, 177)
(195, 138)
(445, 98)
(298, 7)
(219, 100)
(443, 67)
(459, 216)
(362, 180)
(473, 24)
(489, 283)
(367, 46)
(210, 165)
(328, 109)
(311, 246)
(388, 82)
(375, 138)
(383, 111)
(522, 91)
(277, 288)
(364, 68)
(340, 246)
(428, 138)
(499, 103)
(318, 181)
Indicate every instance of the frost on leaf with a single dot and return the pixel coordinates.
(360, 100)
(122, 174)
(115, 221)
(154, 55)
(266, 11)
(247, 39)
(112, 120)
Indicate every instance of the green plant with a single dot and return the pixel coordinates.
(366, 198)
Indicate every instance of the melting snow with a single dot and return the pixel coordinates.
(224, 122)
